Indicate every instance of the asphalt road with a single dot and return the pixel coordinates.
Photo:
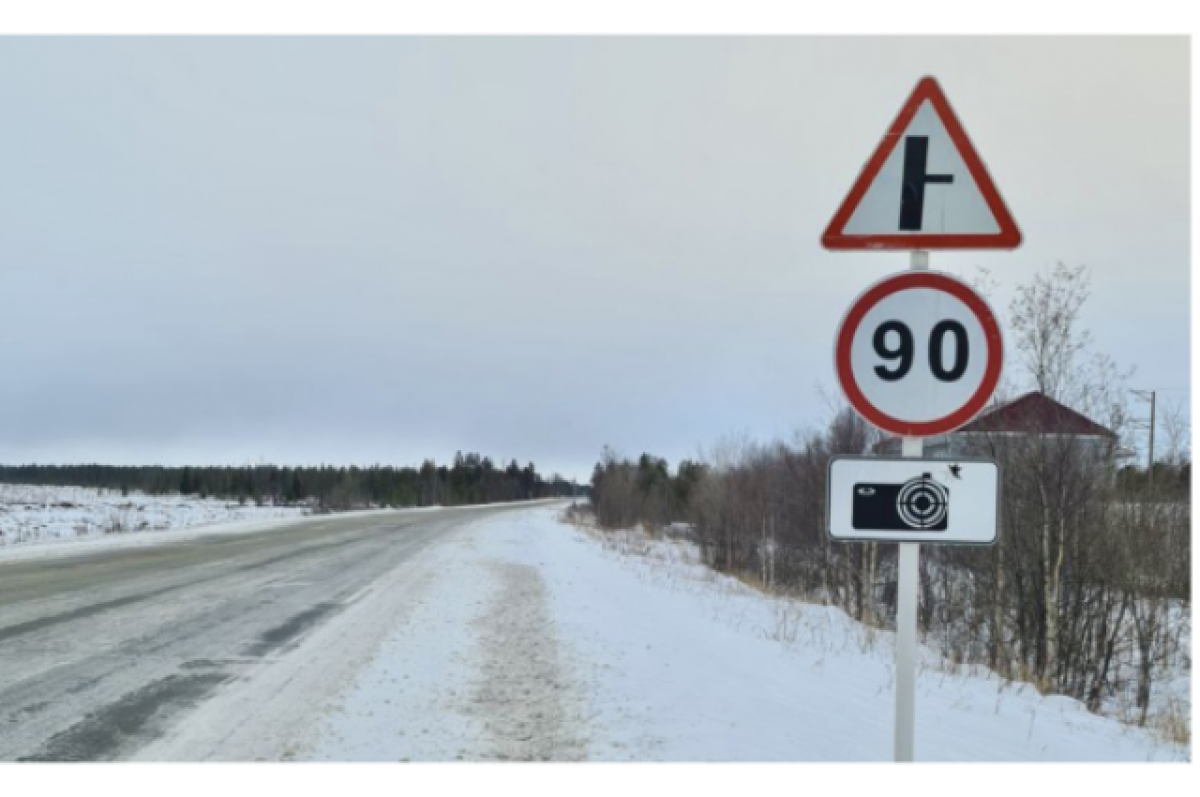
(102, 653)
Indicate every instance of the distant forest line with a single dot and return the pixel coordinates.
(471, 479)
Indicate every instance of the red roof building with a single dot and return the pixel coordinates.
(1032, 413)
(1035, 412)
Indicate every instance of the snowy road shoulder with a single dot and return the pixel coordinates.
(537, 640)
(684, 664)
(474, 673)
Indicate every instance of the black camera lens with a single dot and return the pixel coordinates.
(922, 503)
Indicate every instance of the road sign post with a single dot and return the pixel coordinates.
(918, 354)
(908, 577)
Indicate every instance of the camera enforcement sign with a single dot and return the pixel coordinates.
(953, 501)
(918, 354)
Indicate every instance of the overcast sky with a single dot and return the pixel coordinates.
(376, 250)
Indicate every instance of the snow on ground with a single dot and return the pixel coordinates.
(518, 637)
(472, 673)
(35, 516)
(540, 640)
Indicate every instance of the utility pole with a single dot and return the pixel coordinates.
(1149, 395)
(1150, 473)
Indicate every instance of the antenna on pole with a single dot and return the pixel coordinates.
(1150, 396)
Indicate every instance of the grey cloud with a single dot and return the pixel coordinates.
(381, 249)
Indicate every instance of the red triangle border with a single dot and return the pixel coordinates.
(1009, 236)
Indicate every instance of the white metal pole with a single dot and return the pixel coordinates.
(908, 574)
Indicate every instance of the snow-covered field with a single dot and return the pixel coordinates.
(36, 515)
(541, 640)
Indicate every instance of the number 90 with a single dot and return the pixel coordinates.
(903, 351)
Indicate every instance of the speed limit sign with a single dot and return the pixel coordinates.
(919, 354)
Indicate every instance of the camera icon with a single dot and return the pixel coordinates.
(919, 504)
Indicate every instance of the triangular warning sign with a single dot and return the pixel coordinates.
(924, 188)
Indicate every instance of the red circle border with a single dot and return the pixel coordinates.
(910, 280)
